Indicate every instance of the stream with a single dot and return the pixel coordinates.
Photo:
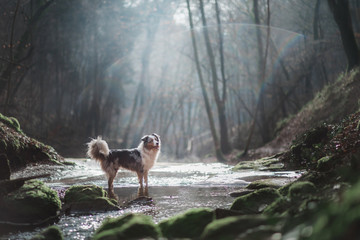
(173, 187)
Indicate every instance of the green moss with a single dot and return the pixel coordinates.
(11, 122)
(231, 227)
(301, 189)
(279, 207)
(263, 183)
(52, 232)
(256, 201)
(326, 163)
(284, 190)
(190, 224)
(33, 202)
(130, 226)
(88, 198)
(263, 163)
(338, 220)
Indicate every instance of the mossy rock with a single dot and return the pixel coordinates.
(335, 220)
(33, 203)
(256, 201)
(279, 207)
(52, 232)
(130, 226)
(326, 163)
(88, 198)
(266, 163)
(11, 122)
(231, 227)
(263, 183)
(284, 190)
(189, 224)
(301, 189)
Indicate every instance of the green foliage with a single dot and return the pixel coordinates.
(190, 224)
(129, 226)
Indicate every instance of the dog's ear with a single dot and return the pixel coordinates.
(145, 138)
(156, 135)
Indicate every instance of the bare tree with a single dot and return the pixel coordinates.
(219, 100)
(218, 151)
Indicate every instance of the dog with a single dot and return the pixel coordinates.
(139, 160)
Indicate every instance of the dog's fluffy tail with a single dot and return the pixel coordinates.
(98, 149)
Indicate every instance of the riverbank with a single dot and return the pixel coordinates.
(319, 203)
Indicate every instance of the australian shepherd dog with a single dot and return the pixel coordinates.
(139, 160)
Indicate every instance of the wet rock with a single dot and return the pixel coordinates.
(279, 207)
(335, 220)
(231, 227)
(240, 193)
(256, 201)
(267, 163)
(33, 203)
(301, 189)
(7, 186)
(52, 232)
(4, 167)
(130, 226)
(223, 213)
(87, 199)
(190, 224)
(264, 183)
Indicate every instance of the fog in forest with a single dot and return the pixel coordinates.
(73, 70)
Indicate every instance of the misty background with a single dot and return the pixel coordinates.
(72, 70)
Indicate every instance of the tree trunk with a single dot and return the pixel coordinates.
(262, 69)
(218, 152)
(341, 13)
(220, 103)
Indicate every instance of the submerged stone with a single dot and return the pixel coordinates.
(129, 226)
(52, 232)
(256, 201)
(33, 203)
(189, 224)
(88, 198)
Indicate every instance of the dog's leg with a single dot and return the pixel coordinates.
(111, 192)
(146, 177)
(140, 177)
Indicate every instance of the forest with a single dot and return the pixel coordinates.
(256, 103)
(226, 79)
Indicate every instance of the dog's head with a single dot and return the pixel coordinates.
(152, 142)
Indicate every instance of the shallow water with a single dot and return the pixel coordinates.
(173, 187)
